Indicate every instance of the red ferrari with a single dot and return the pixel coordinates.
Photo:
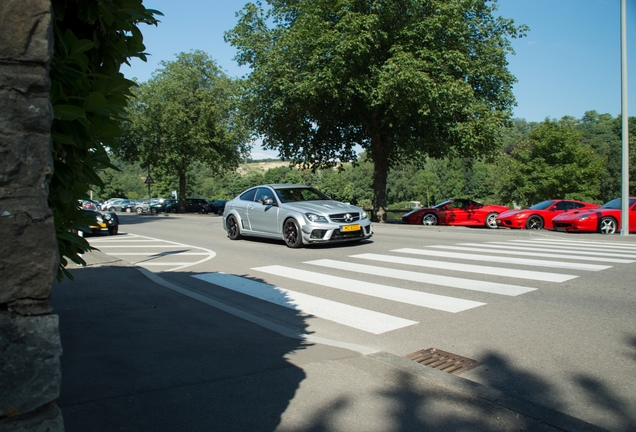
(456, 212)
(605, 219)
(539, 216)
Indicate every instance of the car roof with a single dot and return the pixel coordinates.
(285, 186)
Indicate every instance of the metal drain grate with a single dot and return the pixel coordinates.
(442, 360)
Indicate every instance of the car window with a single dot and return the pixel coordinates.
(564, 205)
(542, 205)
(249, 195)
(577, 205)
(300, 194)
(262, 194)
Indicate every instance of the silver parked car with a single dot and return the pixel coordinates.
(297, 214)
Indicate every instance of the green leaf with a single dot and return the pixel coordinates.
(82, 45)
(68, 112)
(94, 101)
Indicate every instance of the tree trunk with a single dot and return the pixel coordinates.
(380, 173)
(182, 190)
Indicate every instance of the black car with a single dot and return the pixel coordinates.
(97, 222)
(217, 206)
(193, 205)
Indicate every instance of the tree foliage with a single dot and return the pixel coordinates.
(186, 113)
(552, 163)
(92, 39)
(403, 79)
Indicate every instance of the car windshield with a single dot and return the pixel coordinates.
(542, 205)
(615, 204)
(442, 204)
(300, 194)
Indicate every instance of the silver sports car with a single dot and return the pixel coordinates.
(297, 214)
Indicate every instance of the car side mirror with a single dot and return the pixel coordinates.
(268, 201)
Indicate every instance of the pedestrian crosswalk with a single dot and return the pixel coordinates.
(453, 269)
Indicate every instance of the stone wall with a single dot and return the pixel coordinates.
(29, 338)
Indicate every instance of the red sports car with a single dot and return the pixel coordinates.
(456, 212)
(539, 216)
(605, 219)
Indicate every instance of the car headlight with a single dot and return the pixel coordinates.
(363, 215)
(521, 215)
(107, 216)
(99, 219)
(313, 217)
(583, 217)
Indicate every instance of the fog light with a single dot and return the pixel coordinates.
(318, 234)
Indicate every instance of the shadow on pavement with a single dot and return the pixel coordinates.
(139, 357)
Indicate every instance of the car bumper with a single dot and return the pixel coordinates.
(511, 223)
(334, 233)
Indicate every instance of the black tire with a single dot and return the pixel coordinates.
(128, 210)
(491, 220)
(202, 211)
(607, 225)
(113, 230)
(233, 229)
(173, 210)
(140, 210)
(111, 209)
(430, 219)
(534, 222)
(291, 234)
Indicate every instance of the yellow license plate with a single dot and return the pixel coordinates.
(347, 228)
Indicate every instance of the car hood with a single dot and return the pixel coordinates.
(324, 207)
(509, 213)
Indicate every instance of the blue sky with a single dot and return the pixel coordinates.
(569, 62)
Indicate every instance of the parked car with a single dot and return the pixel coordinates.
(296, 214)
(90, 205)
(217, 206)
(540, 216)
(606, 219)
(160, 204)
(120, 205)
(456, 211)
(193, 205)
(142, 207)
(106, 203)
(101, 221)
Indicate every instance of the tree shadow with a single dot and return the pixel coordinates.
(139, 357)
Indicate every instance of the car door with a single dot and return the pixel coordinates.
(262, 213)
(455, 214)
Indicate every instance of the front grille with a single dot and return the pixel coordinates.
(345, 217)
(337, 235)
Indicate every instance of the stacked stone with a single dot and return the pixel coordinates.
(30, 347)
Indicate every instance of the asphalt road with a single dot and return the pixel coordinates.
(549, 316)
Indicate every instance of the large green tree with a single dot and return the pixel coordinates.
(403, 79)
(186, 113)
(551, 163)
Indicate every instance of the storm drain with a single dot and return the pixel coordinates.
(442, 360)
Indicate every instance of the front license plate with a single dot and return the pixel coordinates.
(560, 229)
(348, 228)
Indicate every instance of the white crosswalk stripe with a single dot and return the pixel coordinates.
(504, 259)
(571, 249)
(475, 247)
(550, 254)
(363, 319)
(431, 301)
(448, 281)
(469, 268)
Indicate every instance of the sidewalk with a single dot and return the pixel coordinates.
(139, 356)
